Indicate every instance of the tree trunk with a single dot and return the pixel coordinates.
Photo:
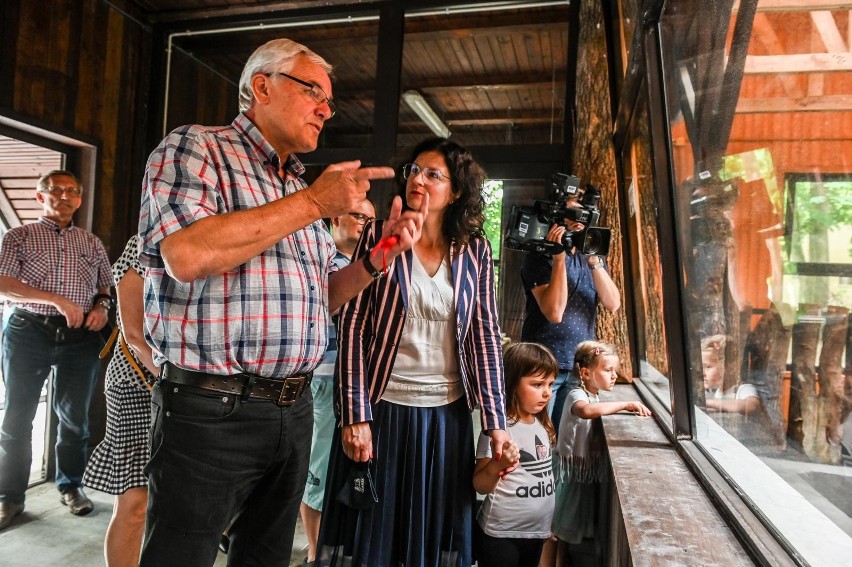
(765, 363)
(847, 390)
(831, 380)
(820, 396)
(803, 379)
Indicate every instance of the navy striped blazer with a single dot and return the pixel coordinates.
(371, 325)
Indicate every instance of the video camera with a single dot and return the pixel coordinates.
(528, 226)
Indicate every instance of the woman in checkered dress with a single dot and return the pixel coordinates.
(116, 464)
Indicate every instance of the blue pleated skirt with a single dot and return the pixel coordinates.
(423, 474)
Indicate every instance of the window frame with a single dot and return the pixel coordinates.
(810, 268)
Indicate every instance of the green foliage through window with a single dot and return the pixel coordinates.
(492, 191)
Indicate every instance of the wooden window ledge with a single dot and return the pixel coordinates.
(665, 516)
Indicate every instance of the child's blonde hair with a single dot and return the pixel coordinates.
(528, 359)
(714, 344)
(589, 352)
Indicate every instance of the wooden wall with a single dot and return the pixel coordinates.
(198, 95)
(81, 68)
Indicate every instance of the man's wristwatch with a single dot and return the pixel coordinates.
(103, 300)
(598, 265)
(371, 269)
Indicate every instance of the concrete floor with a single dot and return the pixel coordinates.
(47, 535)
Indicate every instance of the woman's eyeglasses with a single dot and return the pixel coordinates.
(361, 218)
(430, 176)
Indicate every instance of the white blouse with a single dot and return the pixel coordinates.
(426, 369)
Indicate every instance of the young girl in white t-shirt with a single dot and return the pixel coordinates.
(719, 394)
(581, 449)
(514, 520)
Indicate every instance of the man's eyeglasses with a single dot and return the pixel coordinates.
(58, 191)
(361, 218)
(431, 176)
(314, 91)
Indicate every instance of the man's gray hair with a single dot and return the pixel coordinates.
(43, 180)
(276, 55)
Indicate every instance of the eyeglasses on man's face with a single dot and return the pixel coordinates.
(361, 218)
(314, 91)
(57, 191)
(430, 176)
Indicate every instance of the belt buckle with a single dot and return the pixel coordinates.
(290, 390)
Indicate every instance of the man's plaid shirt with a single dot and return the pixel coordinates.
(69, 261)
(268, 316)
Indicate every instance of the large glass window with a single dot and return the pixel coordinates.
(760, 131)
(645, 270)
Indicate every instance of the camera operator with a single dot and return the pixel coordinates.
(562, 290)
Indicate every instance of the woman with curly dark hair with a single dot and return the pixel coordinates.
(418, 350)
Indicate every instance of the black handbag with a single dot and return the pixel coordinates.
(358, 491)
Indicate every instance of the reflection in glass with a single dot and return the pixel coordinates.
(646, 271)
(762, 159)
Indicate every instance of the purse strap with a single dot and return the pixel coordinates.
(136, 368)
(109, 343)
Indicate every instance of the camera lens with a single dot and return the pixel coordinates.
(596, 241)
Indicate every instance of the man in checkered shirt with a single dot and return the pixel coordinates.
(55, 277)
(238, 292)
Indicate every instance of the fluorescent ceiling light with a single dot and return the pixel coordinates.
(420, 107)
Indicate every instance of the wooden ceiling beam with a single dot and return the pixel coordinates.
(22, 194)
(798, 63)
(798, 5)
(559, 86)
(492, 31)
(491, 117)
(828, 31)
(201, 14)
(10, 167)
(805, 104)
(219, 44)
(438, 87)
(504, 121)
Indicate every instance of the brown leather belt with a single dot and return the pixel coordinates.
(282, 392)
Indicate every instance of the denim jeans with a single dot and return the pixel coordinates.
(29, 354)
(563, 384)
(217, 462)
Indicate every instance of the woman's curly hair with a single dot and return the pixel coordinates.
(464, 217)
